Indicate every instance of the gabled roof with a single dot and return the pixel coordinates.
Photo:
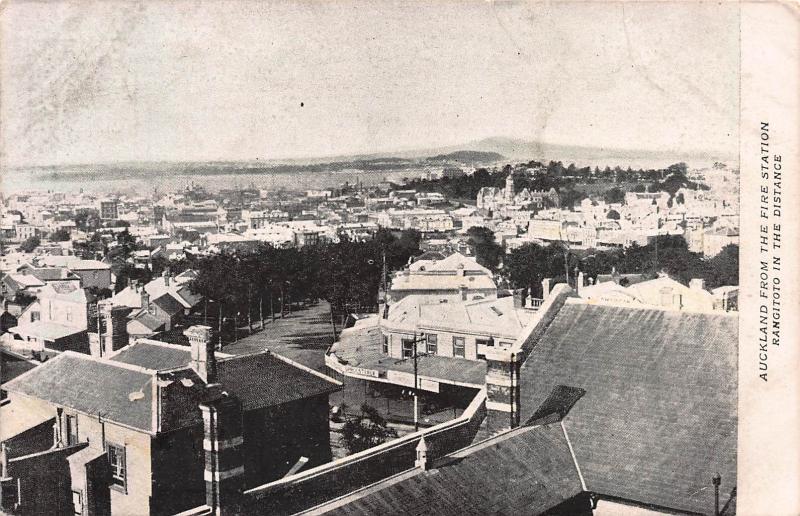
(528, 471)
(91, 386)
(24, 280)
(177, 288)
(168, 304)
(145, 321)
(658, 418)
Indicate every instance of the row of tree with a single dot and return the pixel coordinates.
(346, 273)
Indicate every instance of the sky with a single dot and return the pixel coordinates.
(86, 82)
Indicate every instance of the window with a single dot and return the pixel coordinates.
(484, 342)
(71, 429)
(69, 313)
(116, 459)
(458, 347)
(77, 503)
(408, 348)
(433, 344)
(386, 344)
(35, 316)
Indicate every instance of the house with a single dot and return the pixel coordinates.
(492, 198)
(93, 273)
(174, 286)
(714, 240)
(153, 428)
(15, 283)
(453, 329)
(56, 321)
(160, 314)
(456, 278)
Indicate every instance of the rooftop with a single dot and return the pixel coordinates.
(531, 472)
(657, 416)
(91, 386)
(496, 317)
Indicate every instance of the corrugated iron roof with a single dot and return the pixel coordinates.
(659, 416)
(525, 472)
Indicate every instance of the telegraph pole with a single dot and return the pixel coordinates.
(416, 355)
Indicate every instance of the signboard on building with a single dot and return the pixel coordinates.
(360, 371)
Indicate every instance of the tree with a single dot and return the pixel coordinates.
(724, 268)
(61, 235)
(87, 219)
(614, 196)
(525, 268)
(24, 299)
(30, 244)
(487, 252)
(613, 215)
(366, 431)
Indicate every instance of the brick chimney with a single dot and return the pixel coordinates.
(224, 462)
(502, 389)
(145, 300)
(112, 329)
(165, 274)
(203, 360)
(519, 298)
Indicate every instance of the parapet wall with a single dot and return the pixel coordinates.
(329, 481)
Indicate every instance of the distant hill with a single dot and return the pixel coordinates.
(480, 152)
(468, 156)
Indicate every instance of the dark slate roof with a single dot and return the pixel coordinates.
(264, 380)
(91, 386)
(12, 366)
(154, 356)
(658, 417)
(168, 304)
(258, 380)
(528, 471)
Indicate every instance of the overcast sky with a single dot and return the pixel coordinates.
(232, 80)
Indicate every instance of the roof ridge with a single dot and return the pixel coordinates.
(103, 360)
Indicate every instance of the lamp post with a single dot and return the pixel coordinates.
(716, 480)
